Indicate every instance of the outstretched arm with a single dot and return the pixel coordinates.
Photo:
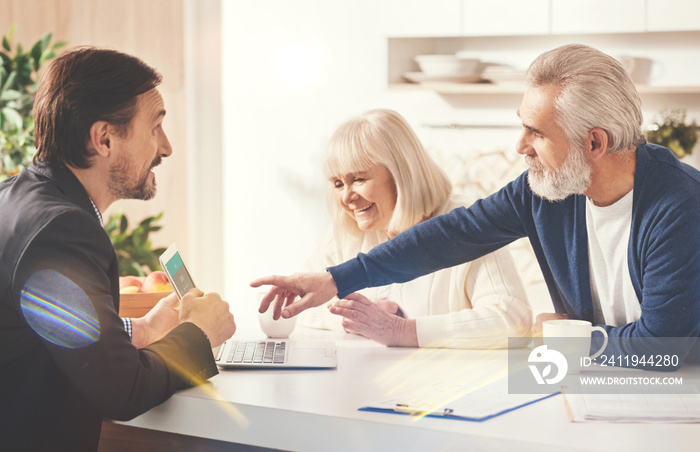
(313, 289)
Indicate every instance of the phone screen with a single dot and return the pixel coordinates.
(179, 276)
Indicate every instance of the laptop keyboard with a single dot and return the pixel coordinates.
(248, 352)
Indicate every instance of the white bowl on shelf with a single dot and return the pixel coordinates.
(504, 74)
(446, 65)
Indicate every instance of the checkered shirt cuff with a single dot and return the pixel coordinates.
(127, 326)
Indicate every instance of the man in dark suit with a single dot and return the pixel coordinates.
(66, 358)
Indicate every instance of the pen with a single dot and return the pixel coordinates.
(405, 408)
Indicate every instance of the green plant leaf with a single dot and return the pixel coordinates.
(111, 224)
(10, 94)
(134, 249)
(45, 40)
(6, 60)
(136, 269)
(10, 81)
(137, 237)
(12, 117)
(35, 53)
(47, 55)
(123, 224)
(146, 222)
(19, 74)
(673, 132)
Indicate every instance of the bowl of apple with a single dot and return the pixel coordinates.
(137, 295)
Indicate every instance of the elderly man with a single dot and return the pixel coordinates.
(613, 220)
(67, 359)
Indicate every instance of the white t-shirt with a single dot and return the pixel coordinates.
(615, 302)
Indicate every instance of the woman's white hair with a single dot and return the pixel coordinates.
(594, 91)
(383, 137)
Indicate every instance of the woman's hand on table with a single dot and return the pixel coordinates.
(377, 321)
(313, 289)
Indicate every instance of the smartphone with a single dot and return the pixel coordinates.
(177, 273)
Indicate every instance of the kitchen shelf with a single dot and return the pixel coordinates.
(650, 89)
(519, 88)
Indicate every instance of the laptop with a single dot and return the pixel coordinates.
(276, 353)
(247, 353)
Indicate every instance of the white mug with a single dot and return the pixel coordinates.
(641, 70)
(575, 350)
(278, 329)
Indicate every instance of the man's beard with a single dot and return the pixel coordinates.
(120, 186)
(573, 177)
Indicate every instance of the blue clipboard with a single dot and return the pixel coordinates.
(450, 413)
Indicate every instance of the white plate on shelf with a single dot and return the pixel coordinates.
(419, 77)
(504, 74)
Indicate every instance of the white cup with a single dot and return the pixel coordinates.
(641, 70)
(278, 329)
(572, 338)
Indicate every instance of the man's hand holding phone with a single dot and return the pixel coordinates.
(210, 313)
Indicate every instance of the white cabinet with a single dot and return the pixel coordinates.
(598, 16)
(453, 18)
(673, 15)
(420, 18)
(514, 32)
(505, 17)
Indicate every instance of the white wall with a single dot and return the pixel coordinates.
(204, 255)
(292, 71)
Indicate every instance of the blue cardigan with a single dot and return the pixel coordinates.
(663, 251)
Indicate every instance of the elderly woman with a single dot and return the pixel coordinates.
(382, 183)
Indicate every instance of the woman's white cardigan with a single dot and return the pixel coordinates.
(477, 304)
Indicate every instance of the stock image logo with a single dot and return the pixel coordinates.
(637, 365)
(541, 355)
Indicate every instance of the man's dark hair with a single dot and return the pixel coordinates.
(79, 88)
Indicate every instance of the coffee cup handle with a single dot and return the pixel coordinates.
(605, 340)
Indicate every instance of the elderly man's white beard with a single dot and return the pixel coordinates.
(573, 177)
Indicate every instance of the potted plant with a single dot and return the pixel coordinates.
(18, 82)
(135, 252)
(673, 133)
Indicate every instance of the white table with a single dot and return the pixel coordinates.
(318, 409)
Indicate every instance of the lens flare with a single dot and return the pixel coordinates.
(431, 378)
(208, 388)
(58, 310)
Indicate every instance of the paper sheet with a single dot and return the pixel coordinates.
(643, 408)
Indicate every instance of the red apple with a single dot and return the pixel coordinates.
(156, 281)
(129, 284)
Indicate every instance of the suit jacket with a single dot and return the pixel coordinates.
(66, 361)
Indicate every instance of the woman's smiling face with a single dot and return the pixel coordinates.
(369, 197)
